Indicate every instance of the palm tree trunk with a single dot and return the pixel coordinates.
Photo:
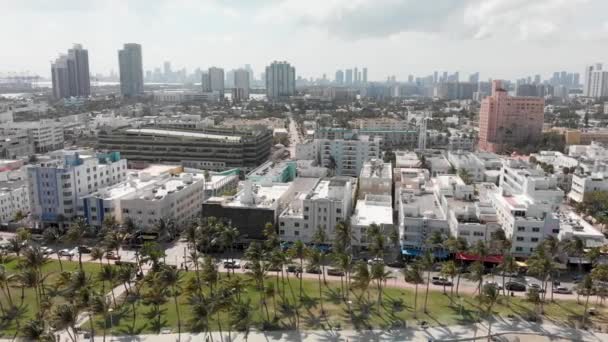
(80, 260)
(301, 271)
(60, 263)
(585, 312)
(426, 296)
(105, 320)
(179, 320)
(321, 295)
(92, 326)
(8, 293)
(457, 284)
(416, 300)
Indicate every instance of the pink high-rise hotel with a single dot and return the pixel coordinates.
(508, 120)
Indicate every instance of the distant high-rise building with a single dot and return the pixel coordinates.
(435, 77)
(596, 81)
(339, 77)
(576, 79)
(216, 80)
(205, 83)
(70, 74)
(131, 70)
(167, 68)
(509, 121)
(356, 75)
(280, 80)
(410, 78)
(474, 78)
(229, 83)
(536, 79)
(250, 71)
(349, 77)
(241, 84)
(364, 75)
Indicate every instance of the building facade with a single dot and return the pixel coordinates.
(131, 70)
(509, 121)
(280, 80)
(70, 74)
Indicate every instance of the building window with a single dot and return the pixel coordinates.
(296, 224)
(520, 238)
(305, 208)
(535, 229)
(296, 232)
(338, 211)
(281, 232)
(521, 229)
(534, 239)
(282, 224)
(477, 233)
(306, 217)
(519, 249)
(555, 231)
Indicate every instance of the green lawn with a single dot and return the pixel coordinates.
(53, 269)
(396, 310)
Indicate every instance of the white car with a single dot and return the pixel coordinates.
(375, 261)
(47, 250)
(493, 283)
(66, 253)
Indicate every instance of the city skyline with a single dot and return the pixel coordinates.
(400, 38)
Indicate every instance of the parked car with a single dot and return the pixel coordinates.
(294, 269)
(47, 250)
(396, 263)
(441, 281)
(562, 290)
(37, 237)
(66, 253)
(375, 261)
(232, 264)
(515, 286)
(536, 286)
(84, 249)
(112, 256)
(493, 283)
(335, 272)
(313, 270)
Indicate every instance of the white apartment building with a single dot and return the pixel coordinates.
(373, 209)
(467, 217)
(46, 135)
(328, 203)
(58, 183)
(419, 218)
(15, 143)
(526, 203)
(376, 178)
(461, 141)
(14, 198)
(467, 161)
(406, 159)
(344, 156)
(583, 183)
(147, 199)
(572, 225)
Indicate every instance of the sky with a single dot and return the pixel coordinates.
(498, 38)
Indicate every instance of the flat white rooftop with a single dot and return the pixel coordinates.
(376, 210)
(185, 134)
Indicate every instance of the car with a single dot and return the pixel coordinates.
(232, 264)
(441, 281)
(37, 237)
(84, 249)
(335, 272)
(396, 263)
(47, 250)
(66, 253)
(112, 256)
(536, 286)
(375, 261)
(493, 283)
(294, 269)
(515, 286)
(562, 290)
(248, 266)
(313, 270)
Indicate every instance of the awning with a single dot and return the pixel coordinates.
(521, 264)
(415, 252)
(493, 259)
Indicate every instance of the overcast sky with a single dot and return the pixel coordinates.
(498, 38)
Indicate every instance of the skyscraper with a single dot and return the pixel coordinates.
(349, 77)
(131, 70)
(205, 85)
(596, 81)
(364, 79)
(356, 75)
(70, 74)
(216, 80)
(280, 80)
(339, 77)
(474, 78)
(507, 120)
(241, 84)
(167, 70)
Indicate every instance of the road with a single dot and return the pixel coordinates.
(294, 136)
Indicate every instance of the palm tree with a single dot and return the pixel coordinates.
(576, 247)
(380, 275)
(320, 237)
(51, 236)
(315, 261)
(76, 234)
(449, 269)
(240, 316)
(427, 262)
(481, 251)
(100, 305)
(172, 277)
(454, 246)
(6, 279)
(541, 265)
(156, 297)
(587, 286)
(298, 250)
(375, 236)
(228, 236)
(489, 296)
(507, 265)
(344, 263)
(413, 274)
(64, 317)
(108, 273)
(34, 330)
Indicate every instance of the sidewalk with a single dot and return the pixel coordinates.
(525, 331)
